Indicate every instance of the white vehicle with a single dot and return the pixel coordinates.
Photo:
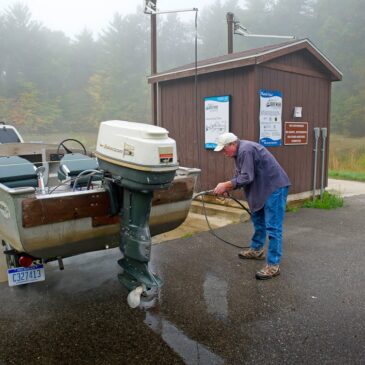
(9, 134)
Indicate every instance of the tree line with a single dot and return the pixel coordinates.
(49, 82)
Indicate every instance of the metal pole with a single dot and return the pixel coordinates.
(175, 11)
(152, 10)
(230, 17)
(316, 137)
(324, 136)
(268, 36)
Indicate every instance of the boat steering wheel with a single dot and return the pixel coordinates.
(68, 150)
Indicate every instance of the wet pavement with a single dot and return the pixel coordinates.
(211, 309)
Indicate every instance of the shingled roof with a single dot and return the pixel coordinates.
(246, 58)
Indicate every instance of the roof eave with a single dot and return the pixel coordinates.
(258, 58)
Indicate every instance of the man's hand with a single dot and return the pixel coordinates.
(222, 188)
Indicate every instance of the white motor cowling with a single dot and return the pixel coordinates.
(136, 145)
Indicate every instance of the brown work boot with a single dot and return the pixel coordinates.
(250, 253)
(268, 272)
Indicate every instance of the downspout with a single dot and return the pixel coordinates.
(324, 136)
(316, 137)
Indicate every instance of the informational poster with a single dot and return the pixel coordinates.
(271, 103)
(216, 118)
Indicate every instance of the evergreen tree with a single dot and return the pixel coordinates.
(175, 42)
(48, 81)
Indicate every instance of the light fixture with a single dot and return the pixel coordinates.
(241, 30)
(149, 7)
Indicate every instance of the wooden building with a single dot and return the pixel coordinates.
(297, 69)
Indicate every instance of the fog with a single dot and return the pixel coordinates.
(72, 17)
(49, 79)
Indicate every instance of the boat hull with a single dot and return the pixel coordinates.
(61, 225)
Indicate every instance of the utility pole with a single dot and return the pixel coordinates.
(150, 8)
(230, 21)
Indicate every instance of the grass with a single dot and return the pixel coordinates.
(347, 175)
(347, 158)
(291, 209)
(187, 235)
(329, 201)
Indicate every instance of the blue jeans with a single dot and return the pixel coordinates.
(269, 221)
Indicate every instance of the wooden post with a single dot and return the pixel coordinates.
(154, 65)
(230, 17)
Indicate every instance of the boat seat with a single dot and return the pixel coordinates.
(17, 172)
(72, 164)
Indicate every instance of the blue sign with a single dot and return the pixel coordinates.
(271, 103)
(216, 119)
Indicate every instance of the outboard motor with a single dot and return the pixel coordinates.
(141, 158)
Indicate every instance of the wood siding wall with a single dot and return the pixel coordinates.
(313, 94)
(302, 83)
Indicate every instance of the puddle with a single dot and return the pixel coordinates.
(85, 272)
(192, 352)
(215, 295)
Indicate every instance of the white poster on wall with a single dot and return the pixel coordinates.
(271, 103)
(216, 119)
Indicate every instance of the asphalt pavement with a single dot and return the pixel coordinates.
(211, 309)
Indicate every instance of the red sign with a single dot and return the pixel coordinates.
(296, 133)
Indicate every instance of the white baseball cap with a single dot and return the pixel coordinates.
(225, 139)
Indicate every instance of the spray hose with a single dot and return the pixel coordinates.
(211, 230)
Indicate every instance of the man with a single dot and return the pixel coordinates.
(266, 188)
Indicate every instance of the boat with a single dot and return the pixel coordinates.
(56, 201)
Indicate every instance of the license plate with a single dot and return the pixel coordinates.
(26, 275)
